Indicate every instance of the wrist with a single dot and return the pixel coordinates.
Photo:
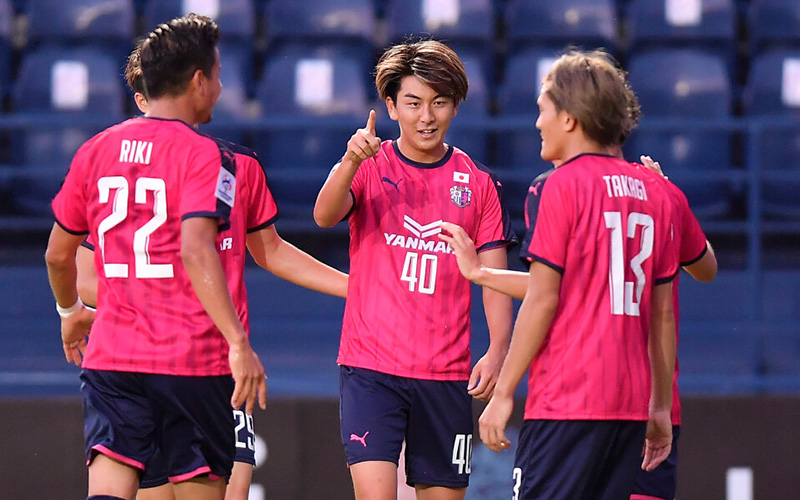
(66, 312)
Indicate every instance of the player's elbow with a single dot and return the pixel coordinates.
(324, 218)
(57, 258)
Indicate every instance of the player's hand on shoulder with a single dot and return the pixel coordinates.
(364, 143)
(652, 165)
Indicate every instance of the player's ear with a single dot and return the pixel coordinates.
(391, 108)
(568, 121)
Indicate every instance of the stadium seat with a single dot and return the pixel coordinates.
(90, 22)
(773, 23)
(79, 83)
(471, 140)
(465, 25)
(311, 22)
(311, 83)
(708, 24)
(685, 84)
(772, 94)
(519, 147)
(545, 23)
(235, 18)
(6, 23)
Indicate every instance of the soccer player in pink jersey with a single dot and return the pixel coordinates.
(404, 352)
(596, 325)
(169, 355)
(251, 223)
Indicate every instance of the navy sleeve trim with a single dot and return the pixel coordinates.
(86, 244)
(225, 225)
(496, 244)
(556, 268)
(350, 212)
(663, 281)
(70, 231)
(263, 225)
(702, 254)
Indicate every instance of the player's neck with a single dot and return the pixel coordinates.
(580, 144)
(173, 108)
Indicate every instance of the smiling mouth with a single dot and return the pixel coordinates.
(428, 131)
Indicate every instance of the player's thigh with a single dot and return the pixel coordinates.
(118, 417)
(239, 484)
(439, 437)
(200, 488)
(568, 460)
(196, 429)
(439, 493)
(163, 492)
(110, 477)
(373, 411)
(374, 480)
(660, 483)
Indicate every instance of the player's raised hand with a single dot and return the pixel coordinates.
(364, 143)
(658, 439)
(493, 421)
(652, 165)
(249, 377)
(464, 248)
(74, 330)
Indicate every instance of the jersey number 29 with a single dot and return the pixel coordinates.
(626, 295)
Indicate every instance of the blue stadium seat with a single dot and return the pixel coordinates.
(465, 25)
(773, 92)
(718, 358)
(83, 22)
(471, 140)
(311, 83)
(295, 191)
(773, 23)
(6, 24)
(519, 148)
(708, 24)
(311, 22)
(685, 84)
(545, 23)
(79, 83)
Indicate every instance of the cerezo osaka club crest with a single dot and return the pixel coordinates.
(460, 195)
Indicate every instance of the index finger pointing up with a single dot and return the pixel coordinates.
(371, 122)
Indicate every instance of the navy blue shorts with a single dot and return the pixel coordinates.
(378, 411)
(129, 416)
(659, 484)
(156, 472)
(577, 460)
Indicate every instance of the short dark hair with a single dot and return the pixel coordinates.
(173, 51)
(431, 61)
(133, 71)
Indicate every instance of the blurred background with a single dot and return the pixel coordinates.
(719, 85)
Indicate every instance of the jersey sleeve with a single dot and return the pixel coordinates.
(69, 205)
(553, 226)
(531, 211)
(494, 227)
(209, 188)
(262, 210)
(693, 240)
(665, 248)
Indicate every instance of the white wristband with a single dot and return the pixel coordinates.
(66, 312)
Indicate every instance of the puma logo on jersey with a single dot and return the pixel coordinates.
(535, 189)
(360, 439)
(395, 184)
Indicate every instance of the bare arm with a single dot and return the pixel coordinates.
(202, 263)
(472, 267)
(705, 269)
(533, 322)
(499, 313)
(87, 276)
(286, 261)
(662, 348)
(334, 201)
(62, 273)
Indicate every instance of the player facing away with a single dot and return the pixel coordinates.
(696, 257)
(251, 225)
(169, 355)
(596, 326)
(404, 351)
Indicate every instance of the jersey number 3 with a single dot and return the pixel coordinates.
(626, 295)
(141, 238)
